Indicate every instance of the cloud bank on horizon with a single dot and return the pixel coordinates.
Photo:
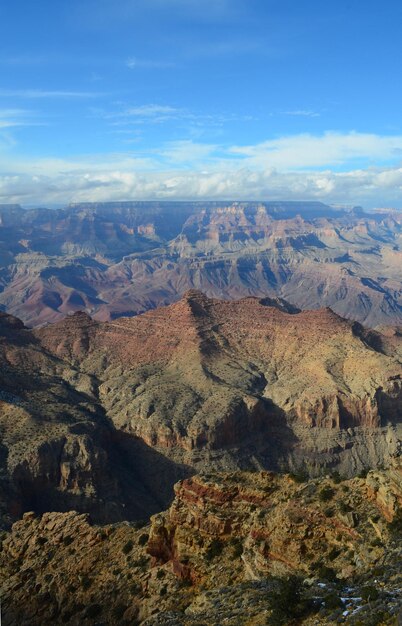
(154, 99)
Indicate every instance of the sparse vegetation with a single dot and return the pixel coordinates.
(214, 549)
(86, 582)
(332, 601)
(336, 477)
(142, 540)
(344, 507)
(128, 546)
(299, 477)
(326, 494)
(289, 602)
(237, 548)
(326, 573)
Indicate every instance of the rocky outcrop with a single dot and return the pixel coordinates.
(385, 488)
(216, 552)
(277, 525)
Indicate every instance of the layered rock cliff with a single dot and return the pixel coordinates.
(117, 259)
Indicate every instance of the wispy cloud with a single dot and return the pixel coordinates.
(195, 122)
(134, 63)
(41, 93)
(152, 110)
(229, 48)
(317, 151)
(302, 113)
(23, 60)
(10, 118)
(188, 152)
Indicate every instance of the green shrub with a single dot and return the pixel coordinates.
(344, 507)
(298, 477)
(369, 593)
(337, 478)
(396, 525)
(128, 546)
(93, 610)
(143, 539)
(118, 611)
(86, 582)
(215, 549)
(334, 553)
(333, 602)
(41, 541)
(288, 602)
(139, 524)
(141, 562)
(376, 543)
(135, 589)
(326, 573)
(326, 494)
(68, 540)
(237, 548)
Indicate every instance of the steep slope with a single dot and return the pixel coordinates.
(242, 384)
(59, 450)
(117, 259)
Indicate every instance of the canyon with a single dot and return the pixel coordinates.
(121, 259)
(104, 417)
(195, 461)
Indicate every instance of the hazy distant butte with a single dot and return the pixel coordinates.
(118, 259)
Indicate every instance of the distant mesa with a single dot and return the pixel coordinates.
(119, 259)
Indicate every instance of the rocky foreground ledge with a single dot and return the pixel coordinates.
(221, 554)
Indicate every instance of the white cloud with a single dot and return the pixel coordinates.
(129, 180)
(282, 169)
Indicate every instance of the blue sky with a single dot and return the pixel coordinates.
(291, 99)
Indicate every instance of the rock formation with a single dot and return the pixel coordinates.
(117, 259)
(214, 555)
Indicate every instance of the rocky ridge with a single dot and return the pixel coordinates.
(201, 383)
